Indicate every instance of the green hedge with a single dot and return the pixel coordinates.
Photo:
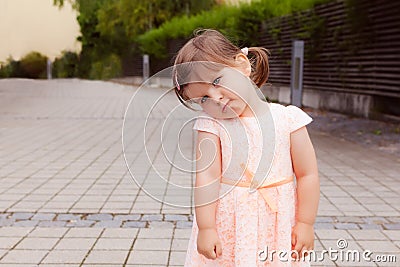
(66, 66)
(32, 65)
(107, 68)
(11, 69)
(240, 23)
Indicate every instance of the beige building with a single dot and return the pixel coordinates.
(36, 25)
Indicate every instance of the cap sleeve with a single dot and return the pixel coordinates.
(297, 118)
(206, 124)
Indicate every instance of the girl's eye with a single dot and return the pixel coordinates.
(204, 99)
(216, 81)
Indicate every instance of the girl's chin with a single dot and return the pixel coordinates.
(225, 115)
(228, 113)
(228, 116)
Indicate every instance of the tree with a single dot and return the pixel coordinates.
(112, 26)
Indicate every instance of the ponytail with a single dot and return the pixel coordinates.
(258, 57)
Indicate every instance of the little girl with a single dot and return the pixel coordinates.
(272, 226)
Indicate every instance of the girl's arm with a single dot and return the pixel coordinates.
(306, 170)
(206, 192)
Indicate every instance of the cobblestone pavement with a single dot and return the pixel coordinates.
(67, 199)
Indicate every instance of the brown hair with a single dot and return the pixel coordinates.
(212, 46)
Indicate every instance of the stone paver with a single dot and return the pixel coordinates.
(67, 198)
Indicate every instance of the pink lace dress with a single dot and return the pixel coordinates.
(251, 226)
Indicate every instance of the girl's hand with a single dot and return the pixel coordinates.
(302, 238)
(208, 243)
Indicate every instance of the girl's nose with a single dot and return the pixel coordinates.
(215, 94)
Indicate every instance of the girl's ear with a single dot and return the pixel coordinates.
(243, 63)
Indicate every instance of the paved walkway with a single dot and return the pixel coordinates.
(67, 199)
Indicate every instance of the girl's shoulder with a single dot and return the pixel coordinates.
(293, 116)
(273, 105)
(204, 122)
(285, 109)
(277, 108)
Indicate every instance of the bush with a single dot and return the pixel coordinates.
(154, 42)
(34, 65)
(11, 69)
(66, 66)
(240, 23)
(108, 68)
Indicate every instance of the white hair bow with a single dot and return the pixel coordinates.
(245, 50)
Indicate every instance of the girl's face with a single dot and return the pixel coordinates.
(222, 94)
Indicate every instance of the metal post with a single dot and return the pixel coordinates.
(296, 75)
(146, 67)
(49, 69)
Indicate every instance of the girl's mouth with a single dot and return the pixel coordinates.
(225, 106)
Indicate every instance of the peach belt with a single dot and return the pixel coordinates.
(271, 202)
